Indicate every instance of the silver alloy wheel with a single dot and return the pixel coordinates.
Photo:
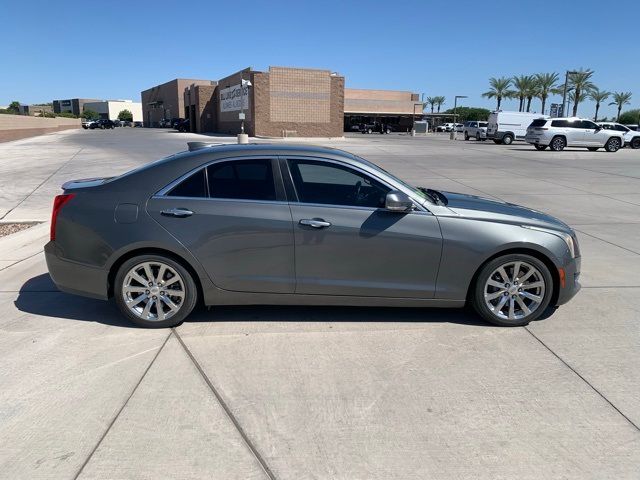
(514, 290)
(558, 143)
(153, 291)
(613, 145)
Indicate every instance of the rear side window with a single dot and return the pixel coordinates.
(540, 122)
(560, 123)
(242, 180)
(192, 186)
(483, 124)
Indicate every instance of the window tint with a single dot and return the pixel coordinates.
(242, 179)
(193, 186)
(539, 122)
(331, 184)
(560, 123)
(585, 124)
(622, 128)
(482, 124)
(608, 127)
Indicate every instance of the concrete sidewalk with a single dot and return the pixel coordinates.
(327, 393)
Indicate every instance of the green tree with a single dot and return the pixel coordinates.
(580, 82)
(630, 117)
(431, 101)
(439, 102)
(89, 114)
(498, 89)
(598, 96)
(546, 84)
(524, 88)
(620, 99)
(470, 113)
(66, 115)
(14, 108)
(125, 115)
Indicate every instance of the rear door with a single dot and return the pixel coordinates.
(233, 216)
(346, 243)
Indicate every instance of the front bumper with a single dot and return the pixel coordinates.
(74, 277)
(571, 281)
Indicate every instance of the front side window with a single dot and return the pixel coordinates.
(242, 180)
(332, 184)
(587, 124)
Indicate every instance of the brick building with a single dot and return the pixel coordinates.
(166, 101)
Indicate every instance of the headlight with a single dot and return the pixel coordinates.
(570, 240)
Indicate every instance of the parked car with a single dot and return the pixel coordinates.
(375, 127)
(166, 123)
(558, 133)
(631, 137)
(294, 224)
(86, 123)
(474, 129)
(446, 127)
(459, 127)
(505, 127)
(183, 126)
(103, 123)
(175, 122)
(138, 124)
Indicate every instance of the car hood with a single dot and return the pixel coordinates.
(485, 209)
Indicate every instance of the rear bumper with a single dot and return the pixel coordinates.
(572, 285)
(76, 278)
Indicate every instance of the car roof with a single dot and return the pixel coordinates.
(268, 148)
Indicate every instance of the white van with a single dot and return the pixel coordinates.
(505, 127)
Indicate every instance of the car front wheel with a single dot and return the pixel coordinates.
(512, 290)
(507, 139)
(154, 291)
(613, 145)
(635, 143)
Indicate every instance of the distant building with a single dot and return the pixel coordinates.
(166, 101)
(73, 105)
(111, 108)
(36, 110)
(389, 107)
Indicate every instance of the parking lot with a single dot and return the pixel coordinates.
(320, 392)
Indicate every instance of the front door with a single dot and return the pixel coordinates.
(346, 243)
(230, 216)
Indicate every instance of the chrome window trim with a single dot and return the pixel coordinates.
(226, 200)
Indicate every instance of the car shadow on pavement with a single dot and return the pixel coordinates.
(39, 296)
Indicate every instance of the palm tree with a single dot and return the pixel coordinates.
(499, 89)
(580, 81)
(598, 96)
(524, 89)
(620, 99)
(582, 96)
(439, 102)
(430, 101)
(546, 84)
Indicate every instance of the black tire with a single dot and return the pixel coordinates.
(478, 136)
(507, 139)
(540, 147)
(477, 296)
(635, 143)
(592, 149)
(466, 135)
(188, 303)
(497, 142)
(613, 145)
(557, 144)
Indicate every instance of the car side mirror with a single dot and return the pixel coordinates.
(397, 201)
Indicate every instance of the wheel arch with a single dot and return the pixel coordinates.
(115, 266)
(537, 254)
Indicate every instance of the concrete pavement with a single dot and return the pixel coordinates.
(347, 393)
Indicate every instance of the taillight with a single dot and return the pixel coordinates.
(58, 203)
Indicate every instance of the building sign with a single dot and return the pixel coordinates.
(556, 110)
(233, 98)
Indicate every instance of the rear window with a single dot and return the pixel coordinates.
(193, 186)
(540, 122)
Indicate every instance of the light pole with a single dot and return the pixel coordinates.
(564, 95)
(455, 116)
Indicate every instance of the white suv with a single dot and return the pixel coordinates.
(557, 133)
(631, 137)
(477, 130)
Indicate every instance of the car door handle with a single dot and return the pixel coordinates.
(177, 212)
(315, 223)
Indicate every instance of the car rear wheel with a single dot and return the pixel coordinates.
(155, 291)
(613, 145)
(507, 139)
(635, 143)
(540, 147)
(512, 290)
(558, 144)
(466, 135)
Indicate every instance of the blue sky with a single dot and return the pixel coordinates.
(114, 49)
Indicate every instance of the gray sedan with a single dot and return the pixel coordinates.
(273, 224)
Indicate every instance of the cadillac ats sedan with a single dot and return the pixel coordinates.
(301, 225)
